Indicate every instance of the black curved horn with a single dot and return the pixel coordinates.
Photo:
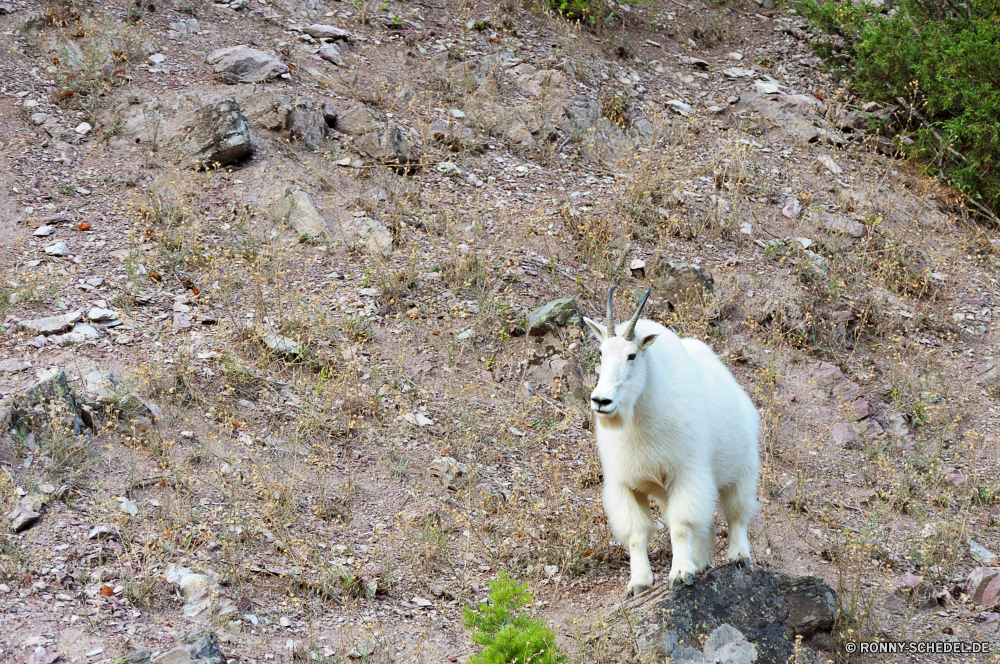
(611, 313)
(630, 330)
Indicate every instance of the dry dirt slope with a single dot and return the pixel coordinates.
(308, 358)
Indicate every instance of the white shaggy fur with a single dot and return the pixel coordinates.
(675, 426)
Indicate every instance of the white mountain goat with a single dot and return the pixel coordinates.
(675, 426)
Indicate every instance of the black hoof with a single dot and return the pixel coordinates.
(636, 591)
(744, 563)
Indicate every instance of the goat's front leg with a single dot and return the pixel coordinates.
(631, 522)
(689, 517)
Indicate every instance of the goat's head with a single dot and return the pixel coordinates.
(623, 363)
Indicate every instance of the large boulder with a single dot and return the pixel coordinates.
(215, 134)
(242, 64)
(741, 616)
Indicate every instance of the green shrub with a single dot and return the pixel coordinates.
(506, 632)
(579, 10)
(941, 55)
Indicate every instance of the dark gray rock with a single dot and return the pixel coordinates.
(767, 610)
(215, 134)
(138, 657)
(28, 512)
(205, 650)
(547, 317)
(812, 608)
(48, 403)
(307, 124)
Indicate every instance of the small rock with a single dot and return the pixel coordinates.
(638, 268)
(51, 324)
(242, 64)
(792, 208)
(981, 554)
(843, 435)
(830, 164)
(83, 128)
(13, 365)
(44, 231)
(833, 381)
(727, 645)
(839, 224)
(197, 589)
(679, 107)
(278, 343)
(418, 419)
(555, 313)
(362, 650)
(59, 248)
(738, 72)
(297, 208)
(449, 472)
(128, 507)
(687, 283)
(214, 134)
(138, 657)
(331, 53)
(203, 651)
(99, 315)
(766, 87)
(103, 531)
(862, 408)
(984, 585)
(318, 31)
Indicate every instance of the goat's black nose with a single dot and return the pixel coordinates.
(601, 402)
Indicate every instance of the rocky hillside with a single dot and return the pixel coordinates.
(290, 348)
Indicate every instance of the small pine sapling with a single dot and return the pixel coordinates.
(507, 633)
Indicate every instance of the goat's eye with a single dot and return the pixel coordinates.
(631, 356)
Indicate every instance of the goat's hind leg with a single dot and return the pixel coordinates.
(739, 504)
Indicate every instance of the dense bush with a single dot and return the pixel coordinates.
(506, 631)
(941, 55)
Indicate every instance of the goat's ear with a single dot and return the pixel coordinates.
(599, 330)
(647, 341)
